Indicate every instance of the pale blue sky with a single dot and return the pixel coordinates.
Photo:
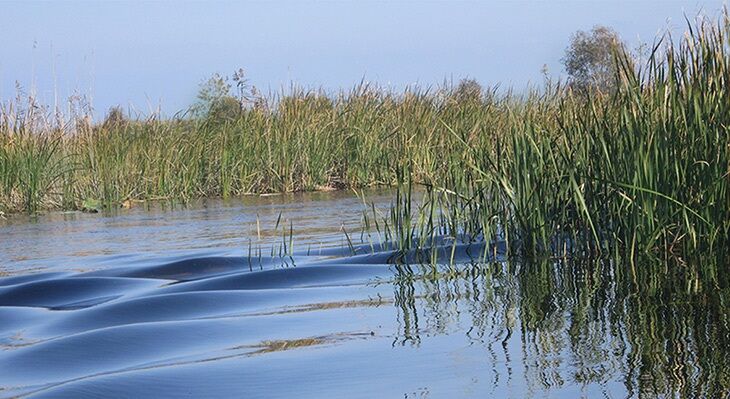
(144, 54)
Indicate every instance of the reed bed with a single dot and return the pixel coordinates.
(644, 168)
(305, 141)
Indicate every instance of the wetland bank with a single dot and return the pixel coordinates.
(558, 243)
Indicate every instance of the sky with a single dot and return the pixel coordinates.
(148, 56)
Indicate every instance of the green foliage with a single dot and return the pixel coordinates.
(468, 90)
(643, 170)
(215, 101)
(114, 119)
(91, 205)
(552, 172)
(590, 59)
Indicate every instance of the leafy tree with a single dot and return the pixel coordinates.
(215, 100)
(115, 118)
(468, 91)
(590, 59)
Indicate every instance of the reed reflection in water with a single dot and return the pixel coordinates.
(646, 330)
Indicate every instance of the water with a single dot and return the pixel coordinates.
(168, 303)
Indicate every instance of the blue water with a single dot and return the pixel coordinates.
(203, 301)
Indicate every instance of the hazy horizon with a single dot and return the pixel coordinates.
(145, 55)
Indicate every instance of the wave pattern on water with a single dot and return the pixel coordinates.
(373, 324)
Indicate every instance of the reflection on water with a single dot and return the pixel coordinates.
(172, 315)
(72, 241)
(553, 324)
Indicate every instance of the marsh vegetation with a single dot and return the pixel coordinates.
(452, 241)
(564, 168)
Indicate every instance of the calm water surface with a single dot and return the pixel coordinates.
(215, 300)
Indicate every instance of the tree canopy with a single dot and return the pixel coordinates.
(590, 59)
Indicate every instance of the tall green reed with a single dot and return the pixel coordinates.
(641, 169)
(644, 169)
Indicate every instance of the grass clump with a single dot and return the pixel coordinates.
(642, 168)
